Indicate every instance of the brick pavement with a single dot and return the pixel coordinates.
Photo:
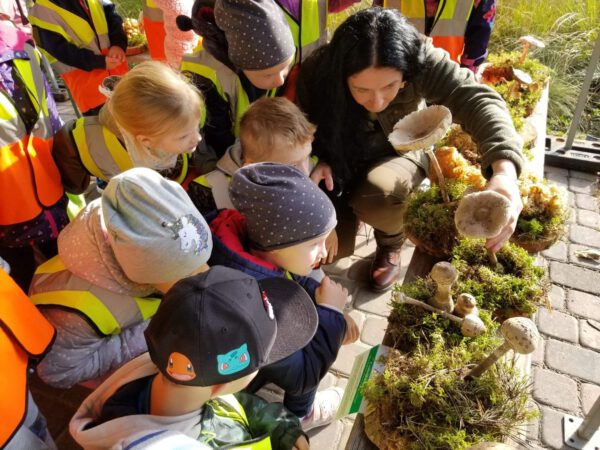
(566, 366)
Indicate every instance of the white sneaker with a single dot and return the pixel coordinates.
(324, 409)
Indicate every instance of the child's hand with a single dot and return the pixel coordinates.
(332, 294)
(352, 330)
(331, 244)
(111, 63)
(301, 444)
(323, 172)
(116, 53)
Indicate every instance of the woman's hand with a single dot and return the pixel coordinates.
(504, 181)
(331, 244)
(322, 172)
(301, 444)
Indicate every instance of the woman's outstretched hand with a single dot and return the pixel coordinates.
(323, 172)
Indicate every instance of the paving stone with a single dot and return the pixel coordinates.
(588, 218)
(583, 175)
(342, 382)
(373, 302)
(349, 285)
(537, 357)
(326, 437)
(557, 251)
(338, 267)
(359, 318)
(347, 429)
(589, 395)
(359, 270)
(589, 334)
(558, 179)
(572, 199)
(364, 247)
(346, 355)
(582, 186)
(532, 429)
(576, 277)
(551, 421)
(573, 360)
(374, 330)
(584, 236)
(328, 380)
(584, 304)
(552, 171)
(557, 297)
(586, 202)
(557, 324)
(584, 262)
(555, 389)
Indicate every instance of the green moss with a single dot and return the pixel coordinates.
(422, 394)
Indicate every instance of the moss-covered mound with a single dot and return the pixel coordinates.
(421, 400)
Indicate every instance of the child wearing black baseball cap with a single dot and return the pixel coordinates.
(209, 337)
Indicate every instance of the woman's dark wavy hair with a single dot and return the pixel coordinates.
(373, 37)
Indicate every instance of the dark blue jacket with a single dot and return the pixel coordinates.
(229, 249)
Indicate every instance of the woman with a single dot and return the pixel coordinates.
(376, 70)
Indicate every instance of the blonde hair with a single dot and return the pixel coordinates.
(152, 99)
(270, 122)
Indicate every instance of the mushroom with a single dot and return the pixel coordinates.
(520, 334)
(470, 326)
(482, 215)
(520, 78)
(108, 85)
(444, 274)
(465, 305)
(491, 446)
(421, 130)
(528, 42)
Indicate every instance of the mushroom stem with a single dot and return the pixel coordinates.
(524, 51)
(440, 176)
(489, 361)
(413, 301)
(492, 257)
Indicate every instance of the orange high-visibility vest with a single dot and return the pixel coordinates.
(30, 180)
(24, 333)
(449, 24)
(79, 32)
(154, 28)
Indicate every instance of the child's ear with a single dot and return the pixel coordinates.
(146, 141)
(216, 389)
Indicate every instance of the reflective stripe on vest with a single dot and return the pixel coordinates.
(450, 21)
(311, 32)
(79, 32)
(26, 158)
(226, 82)
(229, 406)
(110, 312)
(101, 152)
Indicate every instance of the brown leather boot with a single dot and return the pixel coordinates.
(385, 269)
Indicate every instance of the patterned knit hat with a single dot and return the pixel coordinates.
(283, 207)
(258, 35)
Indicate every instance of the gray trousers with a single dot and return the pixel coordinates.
(33, 433)
(379, 201)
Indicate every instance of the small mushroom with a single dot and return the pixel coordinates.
(520, 334)
(528, 42)
(482, 215)
(491, 446)
(108, 85)
(470, 326)
(465, 305)
(422, 129)
(520, 78)
(445, 275)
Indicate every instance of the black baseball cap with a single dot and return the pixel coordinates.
(223, 324)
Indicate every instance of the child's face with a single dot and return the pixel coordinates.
(180, 140)
(300, 259)
(270, 78)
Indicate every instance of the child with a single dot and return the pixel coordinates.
(24, 337)
(114, 259)
(280, 228)
(33, 207)
(162, 138)
(208, 339)
(272, 130)
(86, 43)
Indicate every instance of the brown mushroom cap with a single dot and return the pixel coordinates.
(421, 129)
(490, 446)
(482, 214)
(521, 334)
(444, 273)
(532, 41)
(467, 301)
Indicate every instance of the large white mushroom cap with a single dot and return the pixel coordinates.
(482, 214)
(521, 334)
(421, 129)
(532, 41)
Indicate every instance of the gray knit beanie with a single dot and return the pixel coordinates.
(258, 35)
(155, 231)
(282, 206)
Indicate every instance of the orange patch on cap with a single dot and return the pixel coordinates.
(180, 367)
